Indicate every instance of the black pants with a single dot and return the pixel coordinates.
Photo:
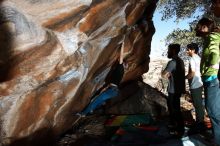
(173, 103)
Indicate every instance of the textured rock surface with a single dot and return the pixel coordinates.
(55, 53)
(153, 76)
(141, 99)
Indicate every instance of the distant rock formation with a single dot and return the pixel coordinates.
(55, 53)
(153, 76)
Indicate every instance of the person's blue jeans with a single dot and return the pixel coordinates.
(212, 102)
(100, 99)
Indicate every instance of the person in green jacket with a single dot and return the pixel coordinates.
(215, 8)
(209, 67)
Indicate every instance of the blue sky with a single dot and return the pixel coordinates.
(163, 28)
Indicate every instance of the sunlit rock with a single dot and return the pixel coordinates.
(55, 54)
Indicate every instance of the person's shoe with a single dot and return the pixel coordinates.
(197, 128)
(176, 134)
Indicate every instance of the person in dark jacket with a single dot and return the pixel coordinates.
(108, 90)
(175, 72)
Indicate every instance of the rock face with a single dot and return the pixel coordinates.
(55, 53)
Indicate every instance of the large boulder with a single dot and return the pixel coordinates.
(138, 97)
(55, 54)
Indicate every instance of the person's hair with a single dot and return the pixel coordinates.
(193, 46)
(215, 1)
(207, 22)
(175, 47)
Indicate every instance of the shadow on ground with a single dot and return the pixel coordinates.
(119, 132)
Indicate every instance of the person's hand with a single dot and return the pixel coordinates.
(165, 74)
(215, 66)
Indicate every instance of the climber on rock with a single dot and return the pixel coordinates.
(110, 88)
